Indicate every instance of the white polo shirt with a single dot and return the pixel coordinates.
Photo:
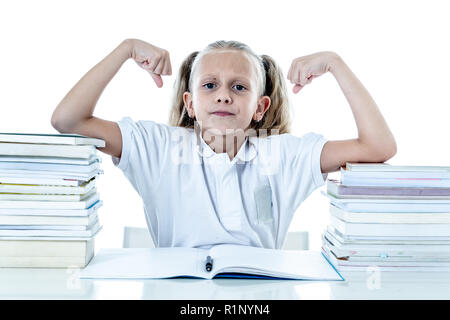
(194, 197)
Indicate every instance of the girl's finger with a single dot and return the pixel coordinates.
(157, 78)
(297, 88)
(296, 75)
(159, 67)
(304, 78)
(153, 64)
(168, 65)
(167, 69)
(310, 79)
(289, 74)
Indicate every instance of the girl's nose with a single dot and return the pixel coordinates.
(223, 97)
(226, 100)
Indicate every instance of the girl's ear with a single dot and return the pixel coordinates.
(263, 105)
(187, 98)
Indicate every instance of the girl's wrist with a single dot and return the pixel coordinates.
(127, 46)
(335, 63)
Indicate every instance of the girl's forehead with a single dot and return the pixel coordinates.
(233, 61)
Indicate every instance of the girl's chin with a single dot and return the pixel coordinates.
(221, 130)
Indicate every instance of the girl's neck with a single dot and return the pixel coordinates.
(229, 144)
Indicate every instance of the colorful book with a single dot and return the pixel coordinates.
(46, 262)
(391, 239)
(52, 160)
(342, 250)
(389, 205)
(343, 264)
(56, 212)
(49, 174)
(43, 138)
(396, 182)
(376, 167)
(391, 229)
(86, 203)
(412, 175)
(49, 248)
(44, 189)
(337, 189)
(44, 180)
(51, 232)
(46, 197)
(47, 150)
(30, 220)
(48, 167)
(389, 217)
(350, 240)
(59, 227)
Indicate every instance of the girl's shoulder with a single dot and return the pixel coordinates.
(149, 126)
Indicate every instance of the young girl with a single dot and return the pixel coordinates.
(225, 169)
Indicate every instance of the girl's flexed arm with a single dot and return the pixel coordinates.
(375, 142)
(74, 114)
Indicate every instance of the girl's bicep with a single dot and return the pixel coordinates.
(108, 131)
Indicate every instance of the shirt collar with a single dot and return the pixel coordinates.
(247, 152)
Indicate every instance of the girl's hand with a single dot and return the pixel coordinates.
(151, 58)
(304, 69)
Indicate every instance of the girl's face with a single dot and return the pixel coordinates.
(225, 81)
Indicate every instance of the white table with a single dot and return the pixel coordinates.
(65, 284)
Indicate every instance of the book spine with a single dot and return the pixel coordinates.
(416, 183)
(51, 211)
(394, 175)
(64, 151)
(42, 262)
(49, 204)
(36, 248)
(41, 181)
(391, 230)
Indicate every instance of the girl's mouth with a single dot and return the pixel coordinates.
(222, 114)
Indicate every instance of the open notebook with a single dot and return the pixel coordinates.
(222, 261)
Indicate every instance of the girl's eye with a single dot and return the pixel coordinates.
(239, 87)
(211, 85)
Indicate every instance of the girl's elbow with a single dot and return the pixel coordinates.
(56, 123)
(379, 153)
(388, 152)
(59, 123)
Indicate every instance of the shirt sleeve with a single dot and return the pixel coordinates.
(144, 151)
(301, 172)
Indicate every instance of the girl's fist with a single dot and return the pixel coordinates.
(304, 69)
(151, 58)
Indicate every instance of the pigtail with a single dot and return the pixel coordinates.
(277, 117)
(179, 116)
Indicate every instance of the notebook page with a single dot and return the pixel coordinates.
(304, 264)
(145, 263)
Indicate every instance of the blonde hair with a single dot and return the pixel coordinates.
(272, 84)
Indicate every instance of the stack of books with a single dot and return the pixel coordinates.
(396, 218)
(48, 200)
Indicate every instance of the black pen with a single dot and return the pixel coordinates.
(209, 263)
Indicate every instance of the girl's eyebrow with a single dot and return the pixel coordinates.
(213, 76)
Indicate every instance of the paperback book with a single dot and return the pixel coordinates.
(218, 261)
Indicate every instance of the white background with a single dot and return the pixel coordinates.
(398, 49)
